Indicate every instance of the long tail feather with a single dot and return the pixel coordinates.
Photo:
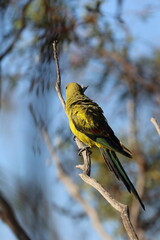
(115, 166)
(109, 163)
(126, 151)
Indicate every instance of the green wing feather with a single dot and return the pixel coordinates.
(88, 118)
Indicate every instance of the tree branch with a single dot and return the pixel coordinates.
(157, 127)
(7, 215)
(58, 82)
(123, 209)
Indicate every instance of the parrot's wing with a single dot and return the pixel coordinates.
(88, 118)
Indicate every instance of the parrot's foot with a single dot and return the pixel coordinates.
(84, 149)
(74, 138)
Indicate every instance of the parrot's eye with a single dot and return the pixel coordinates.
(66, 87)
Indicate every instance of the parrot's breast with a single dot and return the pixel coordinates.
(82, 137)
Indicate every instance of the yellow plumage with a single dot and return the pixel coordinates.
(87, 121)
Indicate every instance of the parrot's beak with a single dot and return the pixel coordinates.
(84, 88)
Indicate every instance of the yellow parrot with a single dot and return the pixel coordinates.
(89, 125)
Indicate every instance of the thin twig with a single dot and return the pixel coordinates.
(58, 82)
(157, 127)
(123, 209)
(8, 216)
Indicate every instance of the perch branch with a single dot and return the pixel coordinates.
(157, 127)
(123, 209)
(8, 216)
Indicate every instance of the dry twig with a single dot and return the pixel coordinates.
(123, 209)
(157, 127)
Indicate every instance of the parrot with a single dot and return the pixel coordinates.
(88, 123)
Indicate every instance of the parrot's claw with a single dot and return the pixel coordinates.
(74, 138)
(84, 149)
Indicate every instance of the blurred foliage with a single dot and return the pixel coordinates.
(87, 38)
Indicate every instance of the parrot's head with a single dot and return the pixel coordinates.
(72, 88)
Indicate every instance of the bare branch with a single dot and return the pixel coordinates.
(157, 127)
(58, 82)
(7, 215)
(123, 209)
(86, 167)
